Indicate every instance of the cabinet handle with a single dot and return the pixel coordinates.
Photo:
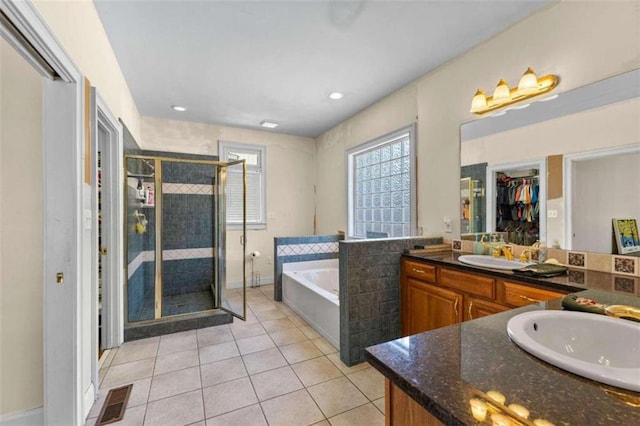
(419, 271)
(470, 307)
(528, 299)
(455, 306)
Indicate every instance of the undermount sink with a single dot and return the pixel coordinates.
(594, 346)
(491, 262)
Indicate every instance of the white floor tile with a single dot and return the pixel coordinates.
(228, 396)
(182, 409)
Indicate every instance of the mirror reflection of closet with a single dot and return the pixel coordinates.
(516, 201)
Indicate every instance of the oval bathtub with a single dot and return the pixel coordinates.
(310, 289)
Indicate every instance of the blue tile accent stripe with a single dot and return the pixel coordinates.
(301, 249)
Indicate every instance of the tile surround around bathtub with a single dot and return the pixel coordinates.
(310, 248)
(624, 265)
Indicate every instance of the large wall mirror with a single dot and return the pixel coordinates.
(558, 170)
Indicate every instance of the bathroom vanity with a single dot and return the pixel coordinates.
(431, 377)
(436, 294)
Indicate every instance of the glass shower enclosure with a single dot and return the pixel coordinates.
(178, 238)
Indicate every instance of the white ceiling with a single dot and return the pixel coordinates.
(236, 63)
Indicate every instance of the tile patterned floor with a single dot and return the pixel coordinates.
(273, 369)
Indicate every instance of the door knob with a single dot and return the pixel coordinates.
(103, 251)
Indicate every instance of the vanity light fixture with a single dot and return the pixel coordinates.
(335, 96)
(268, 124)
(178, 108)
(529, 86)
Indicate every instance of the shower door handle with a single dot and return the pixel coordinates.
(242, 240)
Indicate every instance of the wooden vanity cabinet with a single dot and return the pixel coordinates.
(517, 295)
(477, 308)
(436, 296)
(431, 307)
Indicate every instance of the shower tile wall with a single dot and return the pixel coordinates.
(187, 228)
(140, 252)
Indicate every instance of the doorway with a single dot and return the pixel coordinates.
(517, 201)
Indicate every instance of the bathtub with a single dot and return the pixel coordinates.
(311, 290)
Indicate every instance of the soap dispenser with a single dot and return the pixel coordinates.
(479, 246)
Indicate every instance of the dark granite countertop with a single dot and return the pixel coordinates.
(444, 368)
(574, 280)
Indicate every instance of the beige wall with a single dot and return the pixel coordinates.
(395, 111)
(290, 179)
(21, 234)
(582, 42)
(77, 26)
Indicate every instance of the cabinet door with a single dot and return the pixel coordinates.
(477, 308)
(431, 307)
(521, 294)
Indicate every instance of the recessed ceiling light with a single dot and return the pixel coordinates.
(268, 124)
(178, 108)
(336, 95)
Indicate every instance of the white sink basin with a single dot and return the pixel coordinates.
(491, 262)
(598, 347)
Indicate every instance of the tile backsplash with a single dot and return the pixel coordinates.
(611, 263)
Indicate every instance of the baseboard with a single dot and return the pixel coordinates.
(89, 399)
(33, 417)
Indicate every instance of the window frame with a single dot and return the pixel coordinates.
(223, 148)
(351, 176)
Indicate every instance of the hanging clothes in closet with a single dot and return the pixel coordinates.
(518, 210)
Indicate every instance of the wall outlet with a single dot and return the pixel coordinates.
(448, 224)
(269, 260)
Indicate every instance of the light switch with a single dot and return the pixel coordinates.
(87, 219)
(552, 213)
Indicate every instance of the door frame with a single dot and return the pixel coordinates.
(113, 262)
(568, 178)
(63, 155)
(491, 204)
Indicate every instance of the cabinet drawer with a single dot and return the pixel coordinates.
(420, 271)
(469, 283)
(522, 295)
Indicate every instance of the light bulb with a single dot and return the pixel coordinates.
(502, 93)
(520, 410)
(496, 396)
(528, 84)
(478, 409)
(500, 420)
(479, 102)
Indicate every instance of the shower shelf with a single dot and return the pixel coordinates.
(150, 206)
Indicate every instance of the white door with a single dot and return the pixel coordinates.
(63, 187)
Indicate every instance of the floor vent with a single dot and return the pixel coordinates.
(114, 406)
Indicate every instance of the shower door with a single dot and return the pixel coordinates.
(230, 190)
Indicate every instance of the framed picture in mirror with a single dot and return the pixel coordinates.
(625, 232)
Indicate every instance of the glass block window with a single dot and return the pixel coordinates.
(381, 185)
